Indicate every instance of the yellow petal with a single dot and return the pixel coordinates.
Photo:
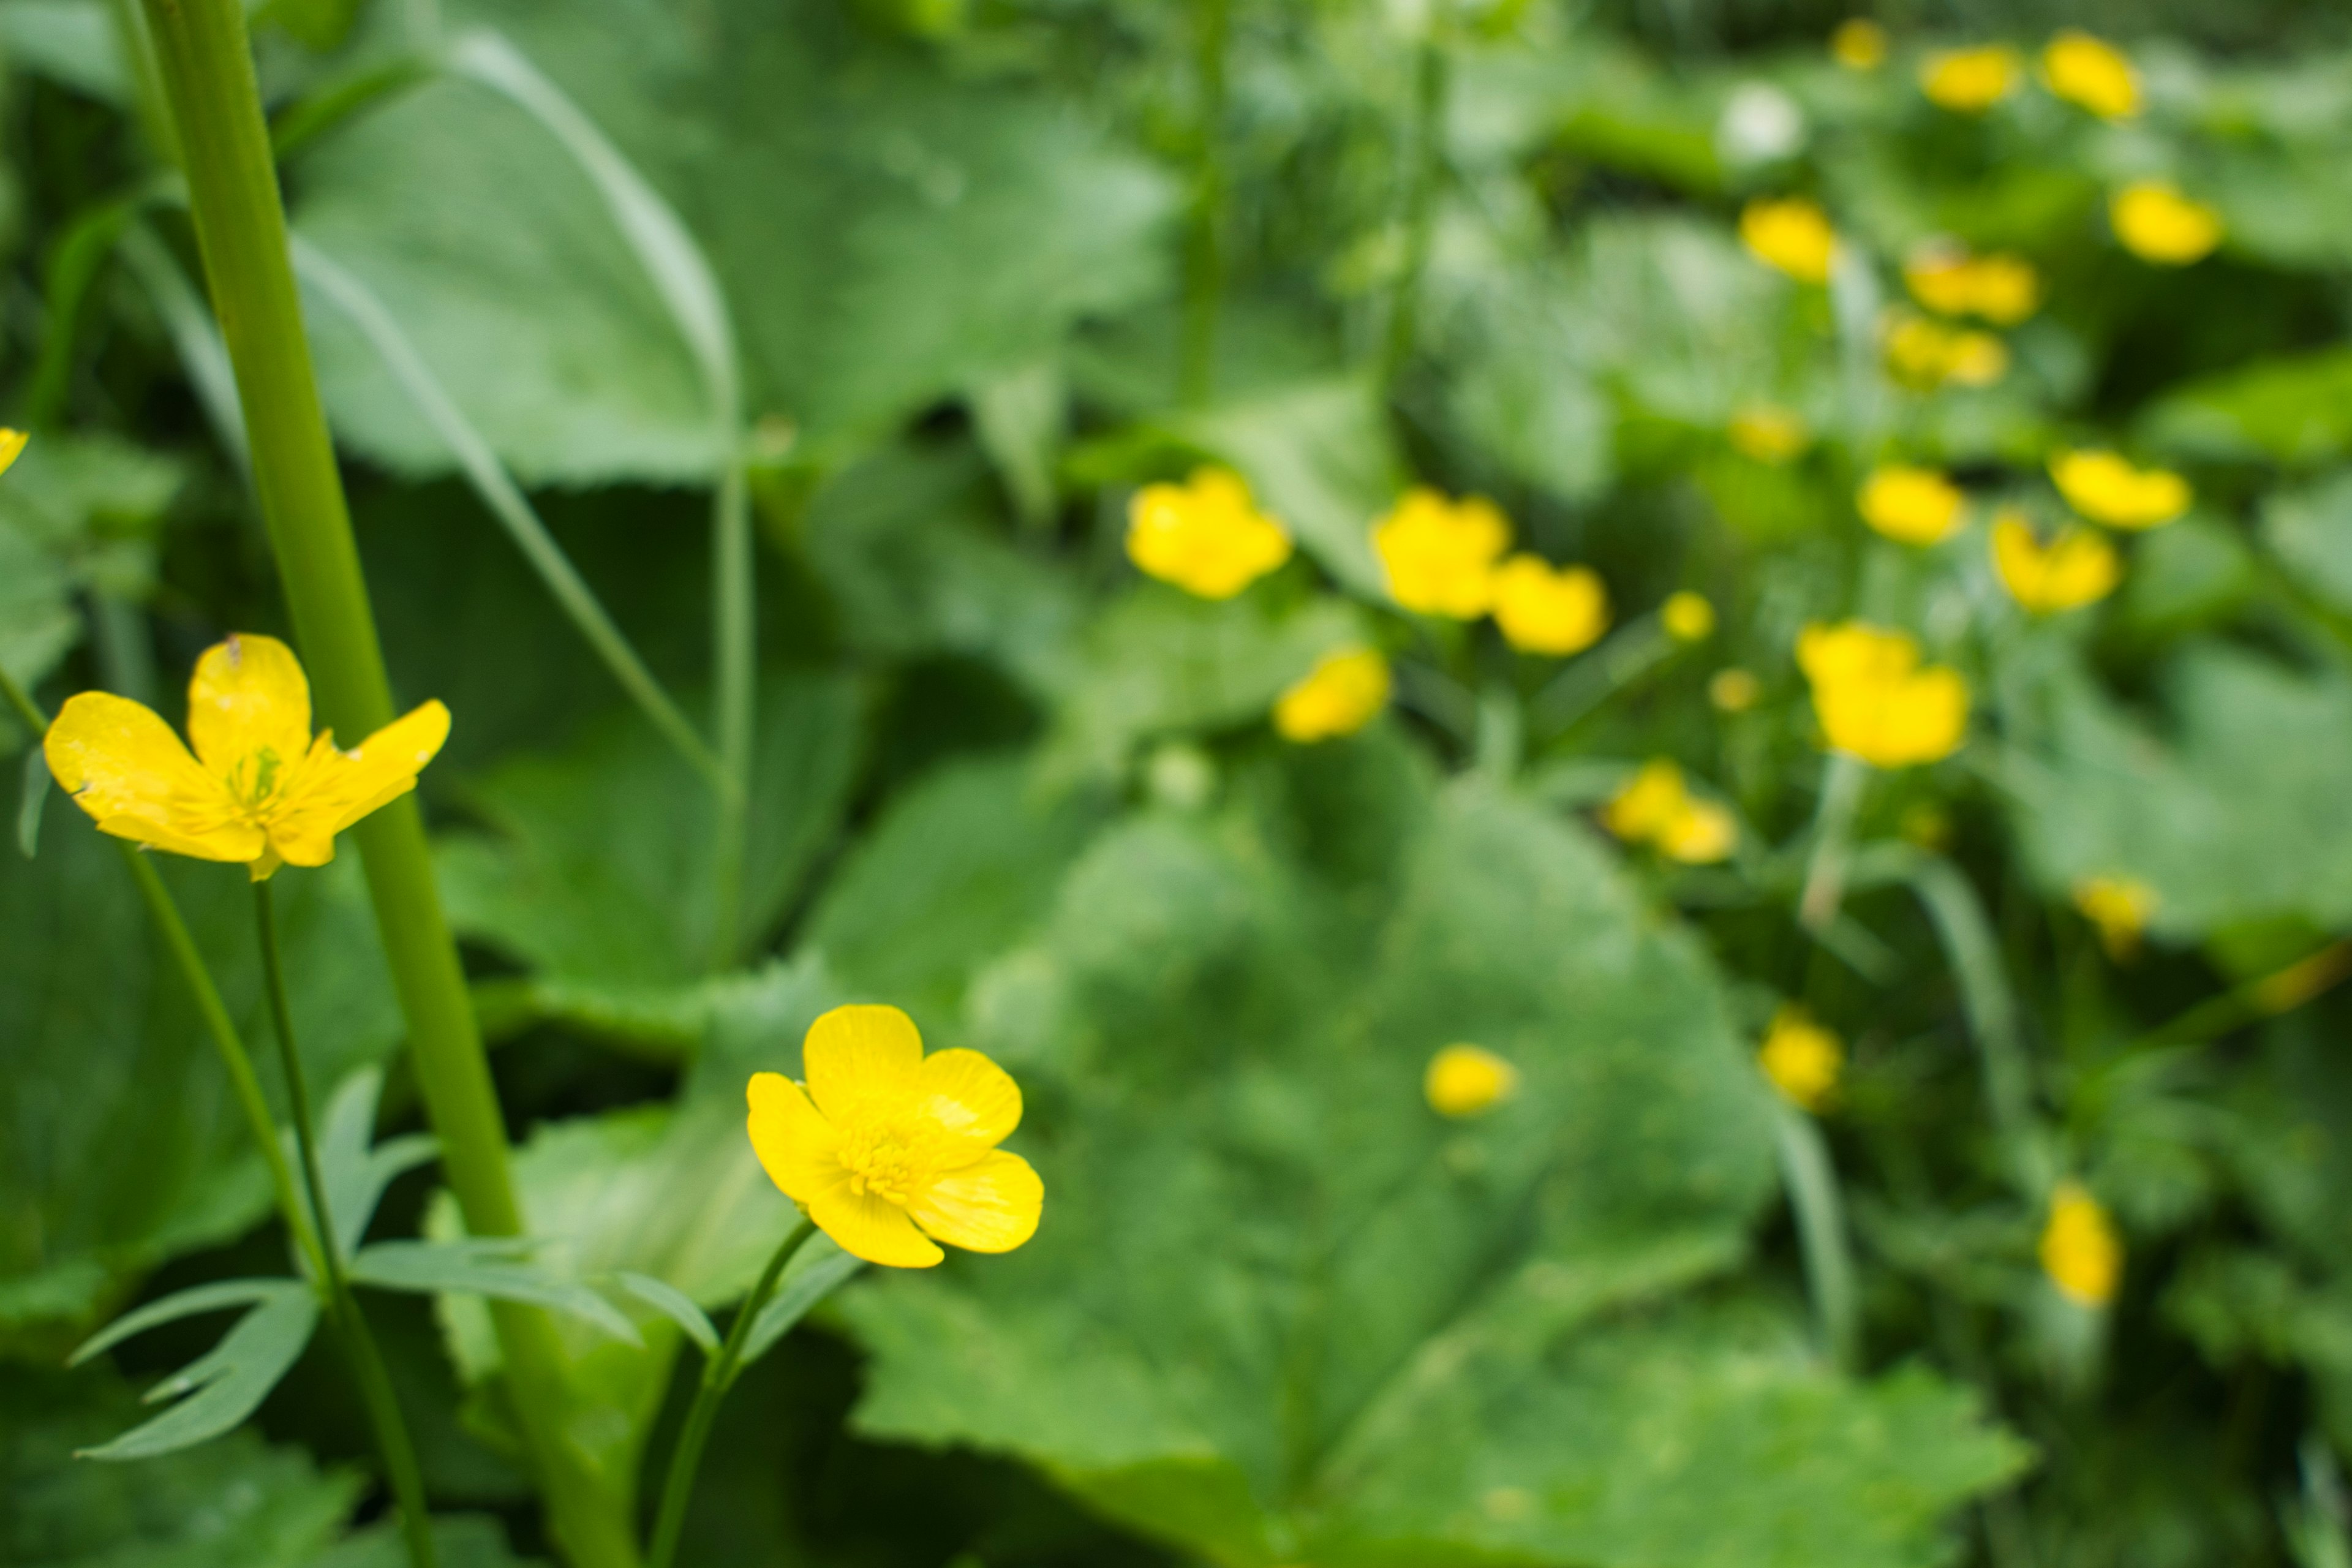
(12, 443)
(873, 1229)
(249, 712)
(859, 1057)
(123, 764)
(971, 1103)
(334, 789)
(796, 1146)
(990, 1206)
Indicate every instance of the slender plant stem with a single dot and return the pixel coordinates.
(1427, 167)
(1842, 787)
(1814, 1198)
(717, 1376)
(1204, 246)
(736, 655)
(240, 221)
(350, 1323)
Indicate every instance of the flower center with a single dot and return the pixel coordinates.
(254, 777)
(880, 1164)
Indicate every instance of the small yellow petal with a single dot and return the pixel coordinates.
(873, 1229)
(2107, 488)
(249, 713)
(1701, 834)
(123, 765)
(1803, 1060)
(2093, 73)
(990, 1206)
(1873, 701)
(1789, 235)
(2158, 225)
(796, 1146)
(1467, 1081)
(1688, 617)
(2119, 907)
(1548, 611)
(1915, 506)
(971, 1103)
(1859, 44)
(2077, 568)
(12, 444)
(1439, 555)
(1205, 535)
(1339, 695)
(1970, 81)
(2081, 1251)
(861, 1060)
(333, 788)
(1654, 797)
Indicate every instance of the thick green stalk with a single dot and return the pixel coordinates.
(208, 77)
(1204, 245)
(717, 1376)
(350, 1324)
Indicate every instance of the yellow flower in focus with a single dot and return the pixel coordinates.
(1440, 554)
(1339, 696)
(2093, 73)
(1204, 535)
(1769, 434)
(2157, 224)
(1688, 617)
(2001, 288)
(1789, 234)
(1913, 506)
(1874, 701)
(2077, 568)
(1467, 1081)
(1970, 81)
(1859, 44)
(12, 444)
(2119, 908)
(2081, 1251)
(1543, 610)
(1802, 1058)
(1655, 807)
(260, 789)
(1734, 690)
(1926, 354)
(2105, 487)
(891, 1152)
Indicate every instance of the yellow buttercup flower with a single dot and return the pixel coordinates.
(1688, 617)
(1926, 354)
(1768, 433)
(2157, 224)
(2093, 73)
(1790, 234)
(12, 444)
(1440, 554)
(2118, 907)
(1859, 44)
(1705, 834)
(1205, 535)
(260, 791)
(1551, 611)
(1802, 1059)
(891, 1152)
(2001, 288)
(2105, 487)
(1657, 807)
(2080, 1249)
(1874, 701)
(2077, 568)
(1339, 696)
(1914, 506)
(1970, 81)
(1467, 1081)
(1734, 690)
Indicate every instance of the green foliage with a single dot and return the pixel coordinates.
(219, 1389)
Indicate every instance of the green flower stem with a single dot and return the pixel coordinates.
(1423, 175)
(717, 1376)
(208, 78)
(344, 1309)
(1204, 245)
(1812, 1183)
(1842, 781)
(734, 572)
(1600, 675)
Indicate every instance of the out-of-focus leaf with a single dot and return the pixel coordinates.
(2296, 410)
(72, 41)
(498, 1268)
(2311, 529)
(463, 1540)
(33, 793)
(2189, 575)
(220, 1388)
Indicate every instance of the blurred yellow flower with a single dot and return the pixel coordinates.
(1859, 44)
(1914, 506)
(1440, 554)
(1926, 354)
(1467, 1081)
(1734, 690)
(2001, 288)
(2118, 907)
(2105, 487)
(1802, 1059)
(1702, 835)
(12, 444)
(2093, 73)
(891, 1152)
(2077, 568)
(1874, 701)
(1339, 696)
(1790, 234)
(2157, 224)
(1970, 81)
(1204, 535)
(1544, 610)
(1688, 617)
(260, 791)
(2080, 1249)
(1768, 433)
(1655, 807)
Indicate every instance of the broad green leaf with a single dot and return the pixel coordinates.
(219, 1389)
(2288, 410)
(2311, 530)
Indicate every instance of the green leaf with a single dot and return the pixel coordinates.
(216, 1296)
(495, 1266)
(672, 1304)
(463, 1540)
(357, 1169)
(219, 1389)
(33, 793)
(2311, 530)
(2288, 410)
(818, 1270)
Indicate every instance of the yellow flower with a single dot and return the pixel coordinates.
(1440, 554)
(1655, 807)
(2119, 908)
(1734, 690)
(1542, 610)
(1768, 433)
(2001, 288)
(1339, 696)
(1874, 700)
(1790, 234)
(891, 1152)
(1688, 617)
(2074, 569)
(2091, 72)
(259, 790)
(1859, 44)
(1704, 834)
(12, 444)
(2157, 224)
(2107, 488)
(1970, 81)
(2080, 1249)
(1802, 1058)
(1926, 354)
(1467, 1081)
(1204, 535)
(1915, 506)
